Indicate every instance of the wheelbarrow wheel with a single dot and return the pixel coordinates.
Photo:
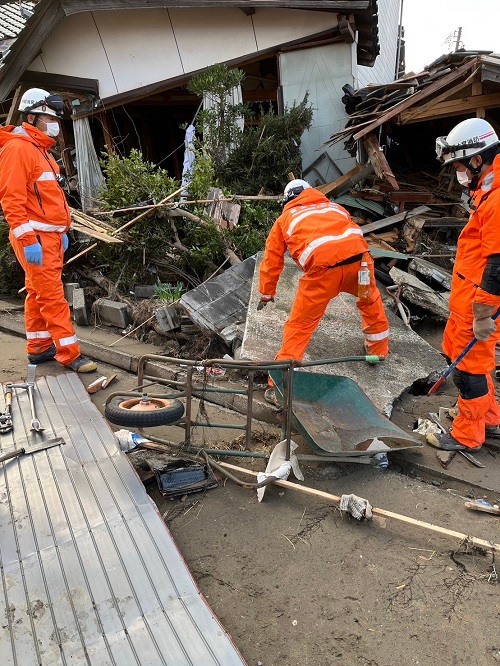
(129, 413)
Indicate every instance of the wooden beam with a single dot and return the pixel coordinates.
(461, 106)
(346, 181)
(393, 219)
(344, 6)
(49, 81)
(407, 116)
(13, 114)
(378, 160)
(420, 95)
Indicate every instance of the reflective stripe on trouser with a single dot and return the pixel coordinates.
(46, 309)
(314, 292)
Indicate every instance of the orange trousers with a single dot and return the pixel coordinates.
(476, 413)
(46, 312)
(315, 291)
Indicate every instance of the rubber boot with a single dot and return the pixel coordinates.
(469, 425)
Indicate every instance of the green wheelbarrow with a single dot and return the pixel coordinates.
(336, 418)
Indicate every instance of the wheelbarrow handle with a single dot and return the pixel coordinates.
(459, 358)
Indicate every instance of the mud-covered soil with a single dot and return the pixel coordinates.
(295, 584)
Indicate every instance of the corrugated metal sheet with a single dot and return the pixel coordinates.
(89, 572)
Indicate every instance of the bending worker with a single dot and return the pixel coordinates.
(329, 248)
(36, 211)
(472, 147)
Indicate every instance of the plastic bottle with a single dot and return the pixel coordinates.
(364, 281)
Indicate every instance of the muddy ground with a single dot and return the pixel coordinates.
(296, 584)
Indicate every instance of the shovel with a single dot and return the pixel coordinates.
(41, 447)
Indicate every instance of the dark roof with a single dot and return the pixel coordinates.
(49, 13)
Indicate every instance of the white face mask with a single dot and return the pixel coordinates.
(463, 178)
(52, 129)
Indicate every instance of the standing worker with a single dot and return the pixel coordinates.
(36, 211)
(472, 147)
(330, 249)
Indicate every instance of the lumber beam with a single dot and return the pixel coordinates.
(455, 107)
(346, 181)
(393, 219)
(378, 160)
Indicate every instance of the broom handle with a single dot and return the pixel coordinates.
(459, 358)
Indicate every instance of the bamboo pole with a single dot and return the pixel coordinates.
(442, 531)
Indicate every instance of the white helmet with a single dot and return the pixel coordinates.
(293, 189)
(36, 100)
(468, 138)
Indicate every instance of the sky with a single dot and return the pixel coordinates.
(429, 23)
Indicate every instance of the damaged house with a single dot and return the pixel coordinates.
(123, 66)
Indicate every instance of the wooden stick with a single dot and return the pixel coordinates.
(443, 531)
(238, 197)
(126, 225)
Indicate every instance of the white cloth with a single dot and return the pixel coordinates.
(278, 467)
(189, 157)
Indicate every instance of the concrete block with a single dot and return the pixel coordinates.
(144, 291)
(113, 313)
(80, 316)
(168, 318)
(69, 288)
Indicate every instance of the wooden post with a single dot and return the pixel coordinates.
(13, 114)
(108, 137)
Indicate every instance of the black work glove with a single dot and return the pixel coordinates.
(263, 303)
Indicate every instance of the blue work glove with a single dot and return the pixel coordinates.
(33, 254)
(65, 242)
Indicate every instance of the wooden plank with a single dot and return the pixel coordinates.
(349, 179)
(408, 115)
(394, 219)
(418, 96)
(459, 106)
(378, 160)
(442, 531)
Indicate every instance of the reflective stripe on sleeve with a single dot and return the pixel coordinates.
(35, 335)
(64, 342)
(47, 175)
(314, 211)
(43, 226)
(22, 229)
(326, 239)
(377, 336)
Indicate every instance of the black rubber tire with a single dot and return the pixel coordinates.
(167, 415)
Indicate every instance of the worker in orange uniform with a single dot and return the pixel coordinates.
(473, 148)
(36, 211)
(329, 248)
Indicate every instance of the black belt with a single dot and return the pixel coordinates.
(350, 260)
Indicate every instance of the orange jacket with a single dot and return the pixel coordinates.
(480, 238)
(318, 234)
(30, 195)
